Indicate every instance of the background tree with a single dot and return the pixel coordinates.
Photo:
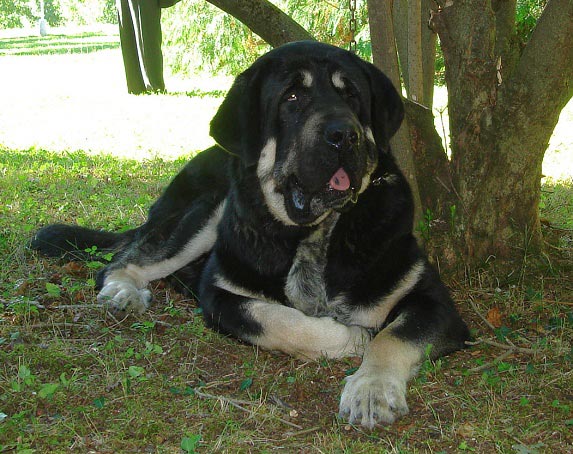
(13, 11)
(506, 88)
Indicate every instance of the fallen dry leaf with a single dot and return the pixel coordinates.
(494, 317)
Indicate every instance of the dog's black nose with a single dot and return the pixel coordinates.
(341, 134)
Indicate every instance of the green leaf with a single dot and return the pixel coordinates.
(24, 372)
(53, 290)
(135, 371)
(107, 257)
(48, 390)
(246, 383)
(463, 446)
(99, 402)
(65, 382)
(189, 443)
(189, 391)
(502, 332)
(350, 371)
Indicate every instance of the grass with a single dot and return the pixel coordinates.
(74, 379)
(58, 44)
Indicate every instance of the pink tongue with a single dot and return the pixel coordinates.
(340, 180)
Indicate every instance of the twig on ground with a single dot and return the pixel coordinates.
(512, 347)
(491, 364)
(485, 320)
(301, 432)
(56, 325)
(79, 306)
(239, 405)
(30, 303)
(565, 303)
(162, 323)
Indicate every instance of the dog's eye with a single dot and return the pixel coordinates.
(349, 92)
(291, 97)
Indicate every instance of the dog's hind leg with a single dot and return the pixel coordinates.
(157, 253)
(73, 242)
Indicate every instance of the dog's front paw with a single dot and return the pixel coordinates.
(372, 396)
(124, 297)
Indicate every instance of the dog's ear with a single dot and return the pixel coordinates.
(236, 126)
(387, 108)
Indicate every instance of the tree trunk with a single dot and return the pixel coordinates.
(265, 19)
(386, 59)
(428, 54)
(500, 128)
(399, 10)
(415, 70)
(411, 29)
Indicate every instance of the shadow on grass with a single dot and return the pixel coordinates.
(58, 44)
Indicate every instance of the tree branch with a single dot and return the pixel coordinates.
(265, 19)
(543, 79)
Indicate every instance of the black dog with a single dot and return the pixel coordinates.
(295, 231)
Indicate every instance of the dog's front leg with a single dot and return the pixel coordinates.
(273, 326)
(291, 331)
(376, 393)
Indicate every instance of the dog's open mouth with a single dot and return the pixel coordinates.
(335, 194)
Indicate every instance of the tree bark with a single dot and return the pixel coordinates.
(410, 20)
(428, 54)
(415, 69)
(265, 19)
(507, 46)
(500, 128)
(386, 59)
(399, 10)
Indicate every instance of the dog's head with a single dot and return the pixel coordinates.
(312, 119)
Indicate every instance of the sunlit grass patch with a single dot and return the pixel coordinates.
(58, 44)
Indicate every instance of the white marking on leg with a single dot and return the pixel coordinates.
(274, 201)
(338, 81)
(121, 293)
(290, 331)
(376, 393)
(375, 316)
(199, 244)
(124, 289)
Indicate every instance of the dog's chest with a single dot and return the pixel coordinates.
(305, 286)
